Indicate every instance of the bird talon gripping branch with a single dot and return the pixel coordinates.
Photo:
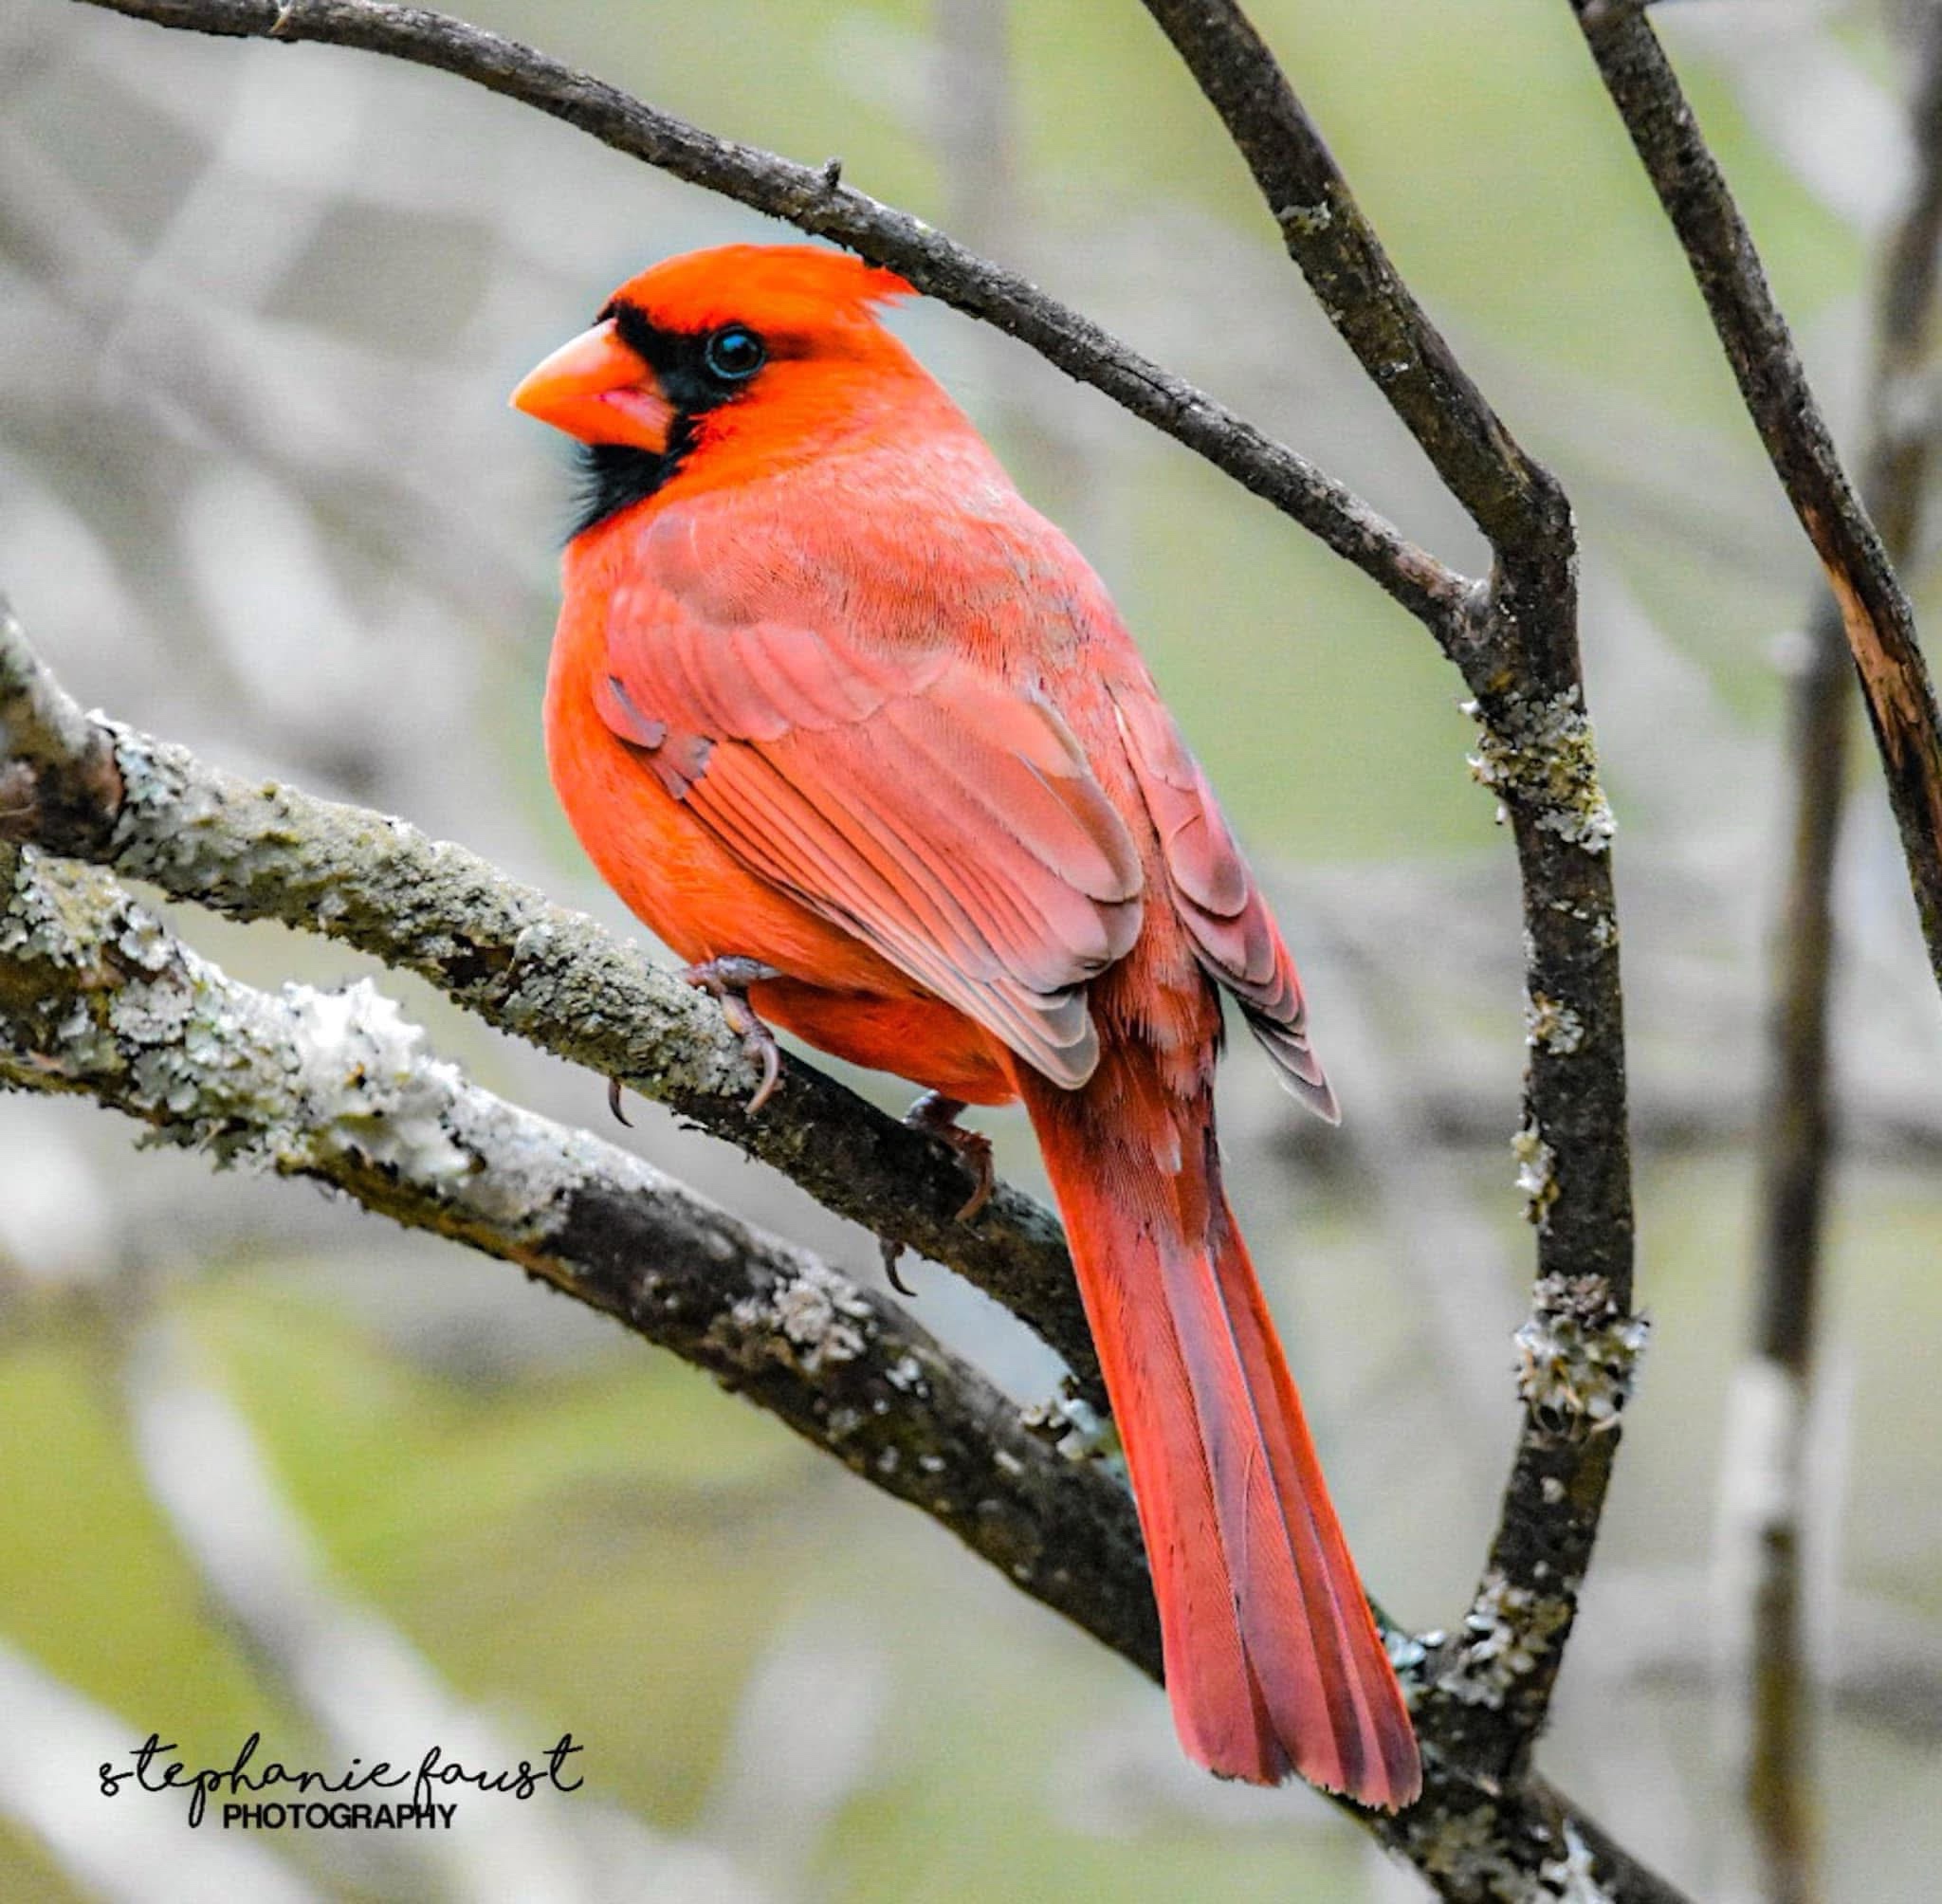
(937, 1116)
(826, 689)
(726, 980)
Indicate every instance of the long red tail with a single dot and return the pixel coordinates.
(1272, 1657)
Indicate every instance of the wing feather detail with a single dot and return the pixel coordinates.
(1213, 889)
(944, 815)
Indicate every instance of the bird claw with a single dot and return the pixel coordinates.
(726, 980)
(893, 1253)
(937, 1116)
(613, 1104)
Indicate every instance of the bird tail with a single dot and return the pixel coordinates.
(1272, 1657)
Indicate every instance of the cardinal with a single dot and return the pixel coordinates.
(858, 734)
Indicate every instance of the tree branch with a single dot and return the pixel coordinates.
(97, 997)
(1875, 610)
(814, 200)
(1507, 496)
(1765, 1522)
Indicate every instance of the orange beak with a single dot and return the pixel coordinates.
(598, 390)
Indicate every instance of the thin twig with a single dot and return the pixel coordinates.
(1507, 496)
(809, 199)
(1764, 1465)
(97, 997)
(1875, 610)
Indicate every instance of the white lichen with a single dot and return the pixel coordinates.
(814, 1316)
(1578, 1359)
(368, 1084)
(1410, 1654)
(151, 1015)
(1074, 1427)
(1541, 757)
(1536, 1174)
(536, 1165)
(1507, 1631)
(906, 1374)
(144, 941)
(1306, 220)
(1552, 1025)
(1570, 1880)
(40, 922)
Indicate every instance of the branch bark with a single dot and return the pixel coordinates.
(1876, 617)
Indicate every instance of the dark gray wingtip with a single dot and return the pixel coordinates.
(1297, 1067)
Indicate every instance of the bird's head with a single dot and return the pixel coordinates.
(719, 362)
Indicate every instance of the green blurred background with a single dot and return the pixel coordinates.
(271, 1466)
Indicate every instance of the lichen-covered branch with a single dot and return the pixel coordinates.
(1879, 622)
(97, 997)
(815, 200)
(1579, 1348)
(94, 789)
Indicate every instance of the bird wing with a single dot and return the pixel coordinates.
(1234, 934)
(905, 792)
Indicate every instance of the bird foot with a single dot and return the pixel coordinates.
(937, 1116)
(726, 980)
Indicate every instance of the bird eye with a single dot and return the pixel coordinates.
(734, 354)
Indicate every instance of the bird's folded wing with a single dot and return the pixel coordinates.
(1214, 891)
(945, 817)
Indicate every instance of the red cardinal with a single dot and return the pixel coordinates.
(855, 729)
